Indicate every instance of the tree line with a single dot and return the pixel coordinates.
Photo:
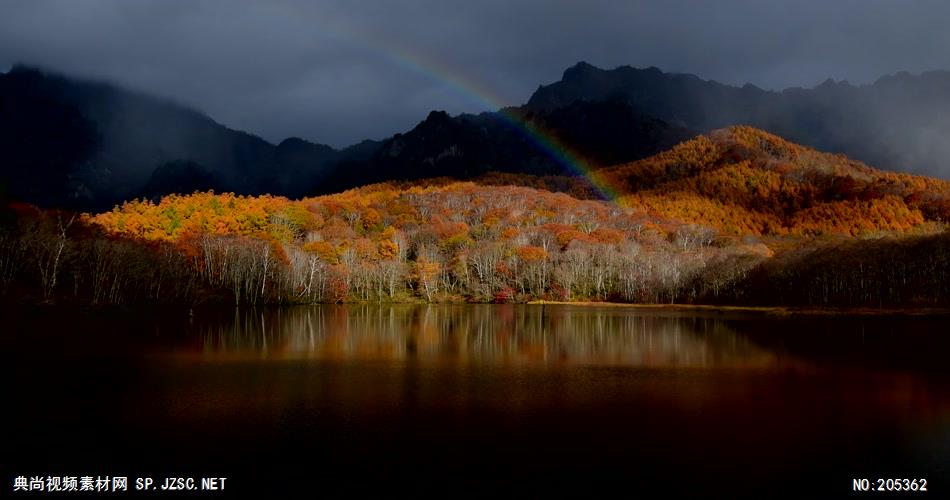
(455, 242)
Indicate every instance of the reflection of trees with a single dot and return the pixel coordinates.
(894, 342)
(482, 333)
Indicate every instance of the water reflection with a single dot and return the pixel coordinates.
(435, 399)
(510, 334)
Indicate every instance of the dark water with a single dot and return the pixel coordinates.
(479, 400)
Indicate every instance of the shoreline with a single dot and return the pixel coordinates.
(763, 310)
(776, 311)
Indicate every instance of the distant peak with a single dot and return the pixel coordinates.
(293, 141)
(35, 71)
(830, 84)
(302, 145)
(899, 77)
(438, 115)
(580, 65)
(24, 69)
(582, 68)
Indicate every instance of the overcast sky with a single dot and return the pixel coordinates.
(340, 71)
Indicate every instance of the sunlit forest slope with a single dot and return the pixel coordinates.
(736, 217)
(745, 181)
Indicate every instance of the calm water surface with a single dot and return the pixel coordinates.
(464, 400)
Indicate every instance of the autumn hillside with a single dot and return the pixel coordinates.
(736, 217)
(455, 241)
(742, 180)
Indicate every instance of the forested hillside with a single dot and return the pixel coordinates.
(745, 181)
(736, 217)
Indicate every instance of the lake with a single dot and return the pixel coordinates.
(462, 400)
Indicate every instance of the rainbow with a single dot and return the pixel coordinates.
(480, 95)
(541, 137)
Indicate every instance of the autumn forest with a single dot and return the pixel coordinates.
(738, 216)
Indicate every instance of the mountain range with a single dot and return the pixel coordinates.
(900, 122)
(89, 145)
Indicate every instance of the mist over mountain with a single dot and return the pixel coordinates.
(83, 144)
(89, 145)
(900, 122)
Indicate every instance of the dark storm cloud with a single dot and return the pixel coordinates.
(340, 71)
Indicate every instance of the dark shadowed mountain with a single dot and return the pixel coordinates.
(899, 122)
(601, 133)
(179, 176)
(89, 145)
(43, 141)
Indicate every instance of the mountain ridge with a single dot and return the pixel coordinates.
(130, 144)
(897, 122)
(135, 134)
(90, 145)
